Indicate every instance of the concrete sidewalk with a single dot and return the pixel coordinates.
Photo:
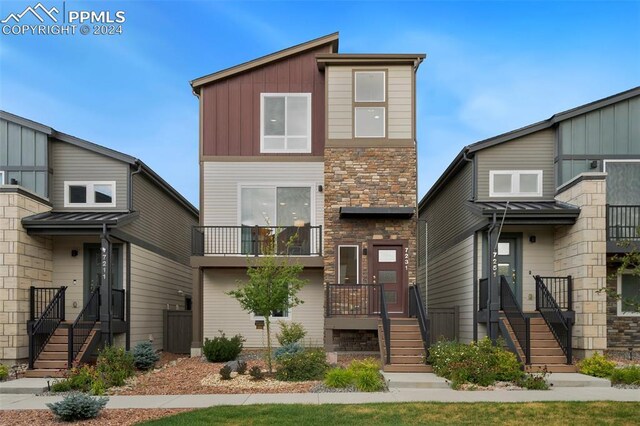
(32, 402)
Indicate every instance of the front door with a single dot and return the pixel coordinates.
(92, 269)
(509, 262)
(388, 271)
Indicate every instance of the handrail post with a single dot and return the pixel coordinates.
(570, 292)
(32, 306)
(320, 241)
(569, 342)
(537, 278)
(69, 347)
(63, 304)
(527, 354)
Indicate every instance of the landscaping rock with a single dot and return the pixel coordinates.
(233, 365)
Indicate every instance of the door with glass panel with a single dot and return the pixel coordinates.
(276, 220)
(388, 271)
(509, 264)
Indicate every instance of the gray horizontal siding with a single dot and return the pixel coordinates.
(531, 152)
(162, 222)
(72, 163)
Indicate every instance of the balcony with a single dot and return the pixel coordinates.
(623, 226)
(256, 240)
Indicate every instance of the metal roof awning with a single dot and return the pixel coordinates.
(376, 212)
(56, 222)
(528, 212)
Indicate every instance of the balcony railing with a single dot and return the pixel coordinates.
(256, 240)
(623, 223)
(358, 300)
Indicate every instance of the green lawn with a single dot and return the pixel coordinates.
(539, 413)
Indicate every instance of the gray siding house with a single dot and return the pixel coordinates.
(94, 246)
(521, 229)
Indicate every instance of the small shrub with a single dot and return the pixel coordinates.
(61, 386)
(78, 406)
(369, 381)
(310, 364)
(508, 369)
(242, 367)
(597, 366)
(289, 349)
(536, 381)
(629, 375)
(114, 366)
(290, 333)
(79, 379)
(365, 364)
(223, 349)
(339, 378)
(225, 373)
(256, 373)
(144, 356)
(4, 372)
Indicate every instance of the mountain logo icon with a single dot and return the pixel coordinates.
(16, 17)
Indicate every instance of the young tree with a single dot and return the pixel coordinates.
(272, 286)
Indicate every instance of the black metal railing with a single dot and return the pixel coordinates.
(82, 326)
(46, 323)
(417, 310)
(386, 325)
(520, 323)
(117, 303)
(623, 223)
(559, 325)
(257, 240)
(484, 293)
(352, 300)
(39, 299)
(561, 289)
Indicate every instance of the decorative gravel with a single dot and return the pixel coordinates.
(322, 388)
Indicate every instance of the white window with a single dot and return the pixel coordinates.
(1, 177)
(283, 314)
(348, 264)
(370, 122)
(629, 292)
(90, 194)
(370, 86)
(285, 122)
(515, 183)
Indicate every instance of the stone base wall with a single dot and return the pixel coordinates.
(581, 251)
(25, 261)
(623, 332)
(355, 341)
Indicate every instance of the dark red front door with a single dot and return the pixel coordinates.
(388, 271)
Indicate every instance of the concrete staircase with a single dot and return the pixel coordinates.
(546, 353)
(53, 360)
(407, 350)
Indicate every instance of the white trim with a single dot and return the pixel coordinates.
(384, 122)
(1, 177)
(285, 136)
(619, 304)
(90, 193)
(604, 162)
(384, 85)
(515, 183)
(357, 262)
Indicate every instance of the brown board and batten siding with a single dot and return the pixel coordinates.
(72, 163)
(231, 106)
(159, 212)
(535, 151)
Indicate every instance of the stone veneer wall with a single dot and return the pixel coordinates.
(25, 261)
(623, 332)
(581, 251)
(368, 177)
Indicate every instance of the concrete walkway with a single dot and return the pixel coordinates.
(32, 402)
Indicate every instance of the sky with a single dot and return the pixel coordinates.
(491, 67)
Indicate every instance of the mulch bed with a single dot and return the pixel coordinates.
(106, 417)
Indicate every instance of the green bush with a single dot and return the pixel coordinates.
(225, 373)
(597, 366)
(78, 406)
(365, 364)
(368, 381)
(242, 367)
(79, 379)
(481, 363)
(291, 332)
(629, 375)
(61, 386)
(533, 382)
(256, 373)
(310, 364)
(222, 349)
(144, 356)
(114, 366)
(288, 349)
(4, 372)
(339, 378)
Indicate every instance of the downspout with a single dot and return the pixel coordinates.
(128, 266)
(131, 186)
(475, 251)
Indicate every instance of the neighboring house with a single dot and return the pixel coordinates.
(554, 200)
(319, 146)
(66, 207)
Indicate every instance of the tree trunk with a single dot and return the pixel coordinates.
(267, 323)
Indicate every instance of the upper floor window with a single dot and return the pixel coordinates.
(89, 194)
(285, 122)
(369, 100)
(629, 292)
(515, 183)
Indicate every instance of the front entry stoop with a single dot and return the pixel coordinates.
(407, 349)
